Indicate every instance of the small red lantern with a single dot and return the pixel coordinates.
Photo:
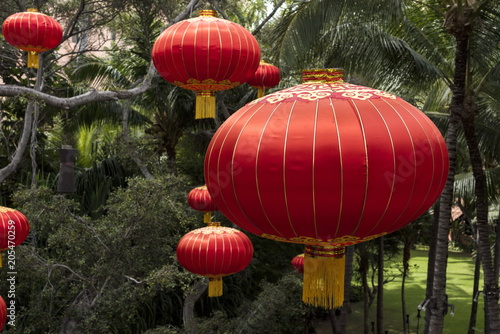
(214, 252)
(206, 54)
(14, 228)
(298, 263)
(33, 32)
(267, 76)
(199, 199)
(3, 313)
(326, 164)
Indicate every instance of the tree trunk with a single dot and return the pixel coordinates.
(430, 262)
(363, 271)
(438, 304)
(473, 311)
(346, 307)
(490, 289)
(406, 266)
(192, 297)
(380, 287)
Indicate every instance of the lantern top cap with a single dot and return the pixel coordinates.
(213, 224)
(325, 75)
(32, 10)
(207, 13)
(4, 209)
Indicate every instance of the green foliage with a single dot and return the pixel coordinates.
(191, 155)
(115, 274)
(277, 309)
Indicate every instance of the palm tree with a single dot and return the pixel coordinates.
(407, 47)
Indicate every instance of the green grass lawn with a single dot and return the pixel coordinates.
(460, 275)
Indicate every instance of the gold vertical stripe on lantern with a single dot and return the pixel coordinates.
(323, 283)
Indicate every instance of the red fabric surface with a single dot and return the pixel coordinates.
(214, 251)
(3, 313)
(206, 49)
(31, 31)
(19, 227)
(199, 199)
(266, 76)
(326, 163)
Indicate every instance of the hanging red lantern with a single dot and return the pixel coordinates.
(326, 164)
(298, 263)
(3, 313)
(33, 32)
(14, 228)
(267, 76)
(206, 54)
(214, 252)
(199, 199)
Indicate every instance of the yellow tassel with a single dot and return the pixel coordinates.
(260, 93)
(323, 283)
(1, 260)
(215, 286)
(207, 217)
(205, 105)
(33, 59)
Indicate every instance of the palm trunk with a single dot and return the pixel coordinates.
(346, 307)
(490, 289)
(473, 311)
(406, 266)
(430, 261)
(380, 288)
(438, 304)
(363, 272)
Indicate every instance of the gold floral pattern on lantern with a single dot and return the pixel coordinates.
(346, 240)
(317, 91)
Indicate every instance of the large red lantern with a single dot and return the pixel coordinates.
(267, 76)
(214, 252)
(14, 228)
(199, 199)
(298, 263)
(326, 164)
(33, 32)
(206, 54)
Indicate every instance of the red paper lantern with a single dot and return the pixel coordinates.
(298, 263)
(3, 313)
(326, 164)
(33, 32)
(267, 76)
(206, 54)
(14, 228)
(214, 252)
(199, 199)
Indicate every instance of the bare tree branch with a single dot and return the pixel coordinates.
(275, 9)
(37, 96)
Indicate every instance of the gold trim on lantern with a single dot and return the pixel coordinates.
(32, 10)
(323, 283)
(215, 286)
(207, 13)
(4, 209)
(346, 240)
(205, 105)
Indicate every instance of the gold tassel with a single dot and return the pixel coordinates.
(205, 105)
(33, 59)
(215, 286)
(1, 260)
(207, 217)
(323, 283)
(260, 93)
